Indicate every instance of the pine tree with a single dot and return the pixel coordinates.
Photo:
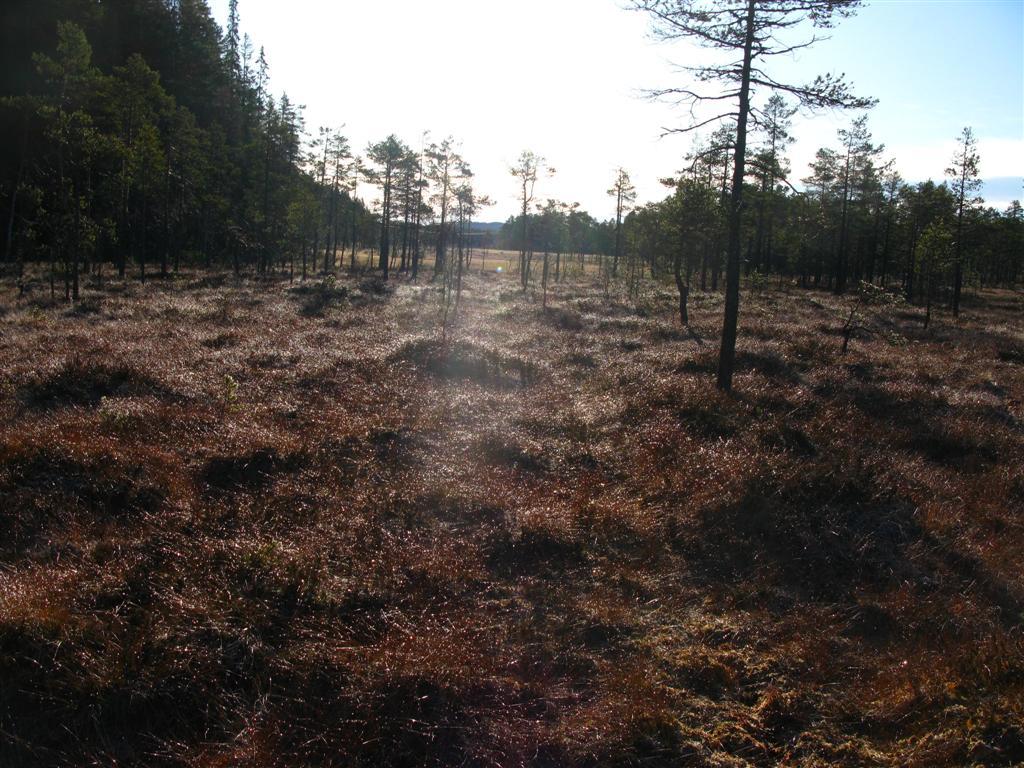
(625, 195)
(964, 183)
(751, 30)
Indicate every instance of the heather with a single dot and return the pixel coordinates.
(257, 522)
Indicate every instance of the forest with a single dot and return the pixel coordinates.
(305, 460)
(169, 149)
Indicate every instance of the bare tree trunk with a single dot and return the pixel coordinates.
(330, 246)
(9, 235)
(352, 259)
(727, 355)
(165, 245)
(840, 284)
(958, 275)
(544, 280)
(416, 244)
(405, 243)
(683, 287)
(524, 269)
(931, 294)
(303, 258)
(458, 279)
(74, 256)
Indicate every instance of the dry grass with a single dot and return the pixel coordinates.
(253, 524)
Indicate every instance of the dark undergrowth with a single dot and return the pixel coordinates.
(80, 382)
(253, 524)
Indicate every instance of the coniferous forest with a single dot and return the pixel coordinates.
(304, 460)
(141, 135)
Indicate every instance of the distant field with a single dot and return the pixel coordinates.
(486, 260)
(247, 523)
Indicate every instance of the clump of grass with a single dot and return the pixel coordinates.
(249, 472)
(565, 319)
(221, 340)
(822, 535)
(538, 545)
(498, 450)
(43, 486)
(1011, 355)
(466, 360)
(86, 382)
(90, 305)
(319, 298)
(374, 285)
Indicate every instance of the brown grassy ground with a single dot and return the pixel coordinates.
(252, 525)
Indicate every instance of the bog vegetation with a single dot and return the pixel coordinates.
(289, 478)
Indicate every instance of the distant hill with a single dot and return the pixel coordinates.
(486, 226)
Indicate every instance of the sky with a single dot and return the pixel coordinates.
(565, 79)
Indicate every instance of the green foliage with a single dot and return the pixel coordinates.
(871, 295)
(936, 248)
(161, 148)
(229, 393)
(863, 306)
(142, 134)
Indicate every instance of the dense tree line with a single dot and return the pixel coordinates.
(854, 220)
(561, 230)
(141, 134)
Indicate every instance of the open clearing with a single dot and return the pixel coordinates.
(253, 524)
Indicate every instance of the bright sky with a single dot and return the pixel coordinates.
(563, 78)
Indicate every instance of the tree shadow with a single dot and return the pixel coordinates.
(834, 539)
